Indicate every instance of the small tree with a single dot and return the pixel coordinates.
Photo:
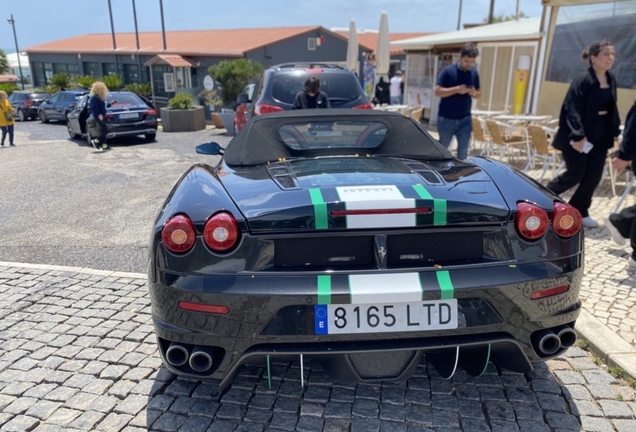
(8, 87)
(233, 76)
(139, 88)
(113, 82)
(4, 63)
(61, 81)
(84, 81)
(181, 101)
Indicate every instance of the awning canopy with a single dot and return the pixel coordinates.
(173, 60)
(524, 29)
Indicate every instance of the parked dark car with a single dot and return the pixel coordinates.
(130, 115)
(276, 89)
(25, 104)
(60, 105)
(354, 238)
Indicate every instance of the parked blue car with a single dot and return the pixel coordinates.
(59, 105)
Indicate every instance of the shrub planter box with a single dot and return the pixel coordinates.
(189, 120)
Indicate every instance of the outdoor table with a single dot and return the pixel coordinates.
(486, 113)
(523, 118)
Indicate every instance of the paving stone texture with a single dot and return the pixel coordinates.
(78, 353)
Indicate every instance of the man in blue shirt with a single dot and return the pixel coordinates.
(456, 85)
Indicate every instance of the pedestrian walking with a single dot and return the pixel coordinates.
(395, 88)
(457, 85)
(382, 92)
(6, 118)
(97, 106)
(622, 226)
(588, 126)
(311, 96)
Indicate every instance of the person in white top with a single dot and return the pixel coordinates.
(395, 88)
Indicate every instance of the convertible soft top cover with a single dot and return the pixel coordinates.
(260, 141)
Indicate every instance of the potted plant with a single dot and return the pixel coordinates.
(181, 116)
(232, 76)
(212, 100)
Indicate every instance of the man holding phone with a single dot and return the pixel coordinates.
(456, 85)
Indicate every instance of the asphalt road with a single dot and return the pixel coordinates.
(64, 203)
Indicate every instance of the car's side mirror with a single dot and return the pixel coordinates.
(210, 148)
(243, 98)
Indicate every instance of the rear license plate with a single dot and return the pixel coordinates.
(383, 318)
(128, 116)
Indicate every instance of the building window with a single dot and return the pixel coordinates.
(48, 71)
(39, 79)
(131, 73)
(195, 78)
(72, 69)
(311, 44)
(157, 79)
(92, 68)
(109, 69)
(60, 68)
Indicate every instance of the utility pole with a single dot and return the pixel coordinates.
(491, 12)
(163, 27)
(112, 30)
(17, 51)
(136, 29)
(517, 13)
(459, 15)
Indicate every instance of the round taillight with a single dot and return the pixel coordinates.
(178, 234)
(566, 220)
(531, 221)
(221, 232)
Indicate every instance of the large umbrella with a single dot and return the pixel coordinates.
(382, 53)
(352, 48)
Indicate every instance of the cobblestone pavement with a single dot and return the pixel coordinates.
(78, 353)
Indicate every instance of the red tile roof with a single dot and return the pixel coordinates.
(370, 40)
(226, 43)
(173, 60)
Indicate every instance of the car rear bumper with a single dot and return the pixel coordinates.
(272, 315)
(121, 133)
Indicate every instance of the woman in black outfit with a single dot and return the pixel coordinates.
(589, 113)
(622, 225)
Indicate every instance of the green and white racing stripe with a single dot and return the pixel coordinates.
(377, 198)
(384, 288)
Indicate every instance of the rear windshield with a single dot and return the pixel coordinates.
(124, 99)
(39, 95)
(340, 88)
(79, 96)
(338, 134)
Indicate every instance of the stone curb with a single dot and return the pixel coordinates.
(613, 349)
(107, 273)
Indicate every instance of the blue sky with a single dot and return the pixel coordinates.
(40, 21)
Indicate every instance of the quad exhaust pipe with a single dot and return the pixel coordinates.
(201, 358)
(549, 341)
(177, 354)
(566, 335)
(546, 342)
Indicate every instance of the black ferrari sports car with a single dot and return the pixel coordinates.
(356, 239)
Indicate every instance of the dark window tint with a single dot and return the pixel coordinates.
(124, 99)
(339, 134)
(340, 88)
